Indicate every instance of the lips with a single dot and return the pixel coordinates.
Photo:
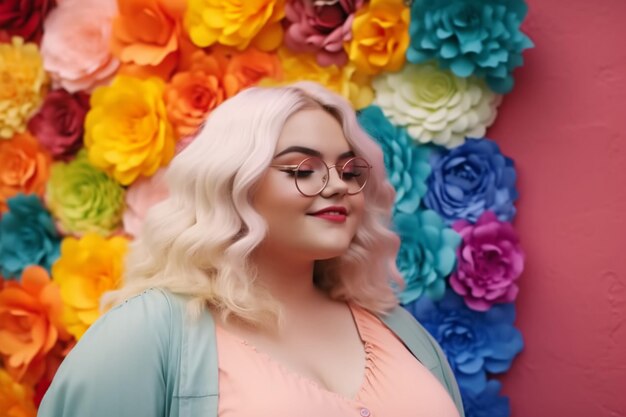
(335, 214)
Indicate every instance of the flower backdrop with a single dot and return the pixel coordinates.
(98, 96)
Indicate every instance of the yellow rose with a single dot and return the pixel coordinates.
(236, 23)
(23, 82)
(127, 133)
(380, 36)
(87, 268)
(346, 81)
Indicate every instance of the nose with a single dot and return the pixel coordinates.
(335, 184)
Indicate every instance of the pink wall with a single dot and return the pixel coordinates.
(564, 124)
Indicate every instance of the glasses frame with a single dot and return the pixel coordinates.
(295, 168)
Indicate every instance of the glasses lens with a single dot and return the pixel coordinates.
(355, 173)
(311, 176)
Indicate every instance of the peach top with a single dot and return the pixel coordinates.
(251, 383)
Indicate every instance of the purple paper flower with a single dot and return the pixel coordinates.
(489, 262)
(320, 27)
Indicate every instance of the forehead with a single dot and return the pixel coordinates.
(315, 129)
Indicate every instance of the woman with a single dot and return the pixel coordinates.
(263, 286)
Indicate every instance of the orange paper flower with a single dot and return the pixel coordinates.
(247, 68)
(30, 324)
(146, 36)
(16, 400)
(24, 167)
(191, 95)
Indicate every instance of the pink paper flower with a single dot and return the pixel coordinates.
(140, 196)
(58, 125)
(321, 27)
(75, 44)
(489, 262)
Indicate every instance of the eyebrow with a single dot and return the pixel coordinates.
(311, 152)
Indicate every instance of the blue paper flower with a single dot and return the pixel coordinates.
(486, 403)
(474, 342)
(427, 254)
(470, 37)
(470, 179)
(27, 236)
(406, 163)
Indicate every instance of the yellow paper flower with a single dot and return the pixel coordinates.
(127, 133)
(346, 81)
(380, 36)
(87, 268)
(16, 400)
(23, 82)
(236, 23)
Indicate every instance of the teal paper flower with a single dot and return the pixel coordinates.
(470, 37)
(27, 236)
(427, 254)
(407, 164)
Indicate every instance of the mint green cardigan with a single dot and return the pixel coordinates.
(144, 358)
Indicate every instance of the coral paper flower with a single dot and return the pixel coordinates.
(346, 81)
(24, 167)
(479, 37)
(140, 197)
(191, 95)
(23, 82)
(489, 262)
(320, 28)
(380, 36)
(27, 236)
(236, 23)
(15, 399)
(24, 18)
(84, 199)
(30, 324)
(75, 44)
(147, 32)
(87, 269)
(58, 125)
(435, 105)
(127, 132)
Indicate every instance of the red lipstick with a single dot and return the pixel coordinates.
(336, 214)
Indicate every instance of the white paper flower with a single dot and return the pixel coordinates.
(435, 105)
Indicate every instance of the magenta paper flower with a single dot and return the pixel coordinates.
(489, 262)
(320, 27)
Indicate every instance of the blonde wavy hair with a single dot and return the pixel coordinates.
(198, 241)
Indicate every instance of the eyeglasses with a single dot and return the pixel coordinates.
(312, 174)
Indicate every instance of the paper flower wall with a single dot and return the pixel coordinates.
(97, 97)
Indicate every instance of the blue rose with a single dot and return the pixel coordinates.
(486, 403)
(470, 179)
(27, 236)
(427, 254)
(474, 342)
(470, 37)
(406, 163)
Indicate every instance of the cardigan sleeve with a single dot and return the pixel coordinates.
(119, 367)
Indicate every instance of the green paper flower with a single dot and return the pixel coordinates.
(84, 199)
(435, 105)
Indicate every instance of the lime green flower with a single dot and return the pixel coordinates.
(84, 199)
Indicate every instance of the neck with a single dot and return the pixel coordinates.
(290, 280)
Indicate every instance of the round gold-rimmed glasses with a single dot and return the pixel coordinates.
(312, 174)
